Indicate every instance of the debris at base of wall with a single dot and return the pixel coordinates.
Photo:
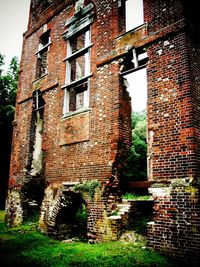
(128, 237)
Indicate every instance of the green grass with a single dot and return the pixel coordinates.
(25, 246)
(132, 196)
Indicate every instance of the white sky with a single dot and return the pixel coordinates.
(134, 13)
(138, 79)
(14, 21)
(138, 89)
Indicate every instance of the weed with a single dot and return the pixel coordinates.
(88, 187)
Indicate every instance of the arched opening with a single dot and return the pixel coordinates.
(71, 220)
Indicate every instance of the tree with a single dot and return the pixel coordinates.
(8, 87)
(136, 165)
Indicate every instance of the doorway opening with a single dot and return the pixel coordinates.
(71, 221)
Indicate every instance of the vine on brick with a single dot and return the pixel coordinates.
(88, 187)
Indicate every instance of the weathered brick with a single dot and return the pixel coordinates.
(75, 154)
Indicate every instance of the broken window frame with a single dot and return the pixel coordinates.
(76, 83)
(38, 101)
(42, 55)
(134, 59)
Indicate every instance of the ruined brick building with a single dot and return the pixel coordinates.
(73, 115)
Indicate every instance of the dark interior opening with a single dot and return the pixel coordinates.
(71, 220)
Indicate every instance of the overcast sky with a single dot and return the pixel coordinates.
(14, 21)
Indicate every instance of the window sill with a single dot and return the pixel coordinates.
(74, 113)
(43, 48)
(40, 78)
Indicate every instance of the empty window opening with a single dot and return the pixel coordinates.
(136, 167)
(38, 101)
(42, 55)
(134, 14)
(77, 72)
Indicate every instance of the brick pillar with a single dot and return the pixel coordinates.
(173, 129)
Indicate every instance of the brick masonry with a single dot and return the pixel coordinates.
(175, 229)
(81, 147)
(96, 151)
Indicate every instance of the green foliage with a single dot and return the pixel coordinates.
(8, 87)
(133, 196)
(137, 116)
(81, 214)
(2, 219)
(140, 225)
(81, 221)
(24, 246)
(88, 187)
(136, 165)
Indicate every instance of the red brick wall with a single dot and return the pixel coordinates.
(173, 108)
(85, 159)
(170, 112)
(170, 100)
(162, 13)
(96, 153)
(175, 229)
(20, 147)
(173, 127)
(194, 59)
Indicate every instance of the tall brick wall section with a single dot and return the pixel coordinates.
(20, 149)
(170, 111)
(106, 135)
(194, 58)
(170, 100)
(173, 128)
(105, 95)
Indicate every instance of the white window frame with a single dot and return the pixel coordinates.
(37, 94)
(41, 49)
(138, 57)
(68, 82)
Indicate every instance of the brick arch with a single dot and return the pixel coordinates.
(55, 211)
(54, 201)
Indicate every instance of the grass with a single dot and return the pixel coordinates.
(25, 246)
(132, 196)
